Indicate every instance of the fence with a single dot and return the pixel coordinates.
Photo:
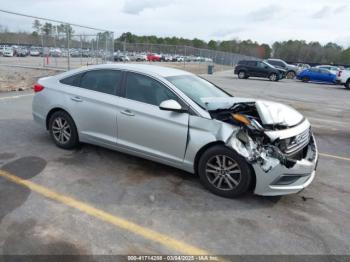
(36, 42)
(195, 59)
(31, 41)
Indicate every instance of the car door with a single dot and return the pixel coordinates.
(252, 68)
(93, 104)
(327, 76)
(262, 69)
(146, 129)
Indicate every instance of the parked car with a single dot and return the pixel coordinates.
(21, 52)
(153, 57)
(333, 69)
(179, 119)
(291, 70)
(315, 74)
(118, 57)
(344, 78)
(8, 52)
(166, 58)
(34, 52)
(255, 68)
(138, 57)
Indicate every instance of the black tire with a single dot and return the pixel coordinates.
(305, 79)
(70, 128)
(290, 75)
(347, 84)
(273, 77)
(242, 74)
(207, 178)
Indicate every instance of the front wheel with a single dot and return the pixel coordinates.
(63, 130)
(305, 79)
(347, 84)
(290, 75)
(224, 172)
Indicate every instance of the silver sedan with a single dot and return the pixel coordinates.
(179, 119)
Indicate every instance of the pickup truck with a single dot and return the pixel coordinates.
(344, 78)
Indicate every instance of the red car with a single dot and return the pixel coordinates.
(153, 57)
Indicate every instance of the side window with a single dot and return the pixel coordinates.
(261, 64)
(252, 63)
(104, 81)
(147, 90)
(73, 80)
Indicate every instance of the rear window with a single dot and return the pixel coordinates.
(242, 62)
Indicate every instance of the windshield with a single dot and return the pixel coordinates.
(196, 88)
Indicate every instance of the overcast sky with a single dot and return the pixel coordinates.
(260, 20)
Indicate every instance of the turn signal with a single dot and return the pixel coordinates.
(241, 118)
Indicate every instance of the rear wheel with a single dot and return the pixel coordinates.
(224, 172)
(290, 75)
(63, 130)
(273, 77)
(242, 75)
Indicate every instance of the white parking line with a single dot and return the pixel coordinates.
(14, 97)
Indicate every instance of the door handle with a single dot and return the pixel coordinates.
(127, 112)
(76, 99)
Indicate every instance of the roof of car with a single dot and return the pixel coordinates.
(141, 68)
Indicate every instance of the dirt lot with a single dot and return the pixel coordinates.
(19, 79)
(92, 200)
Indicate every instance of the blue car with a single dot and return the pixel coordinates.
(317, 75)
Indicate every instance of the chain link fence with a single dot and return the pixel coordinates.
(30, 41)
(186, 57)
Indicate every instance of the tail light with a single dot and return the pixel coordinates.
(38, 88)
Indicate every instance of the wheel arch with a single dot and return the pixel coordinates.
(51, 112)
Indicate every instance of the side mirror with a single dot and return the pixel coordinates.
(171, 105)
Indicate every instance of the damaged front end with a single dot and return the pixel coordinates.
(276, 140)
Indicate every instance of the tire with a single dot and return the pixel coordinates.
(347, 84)
(231, 185)
(63, 130)
(242, 75)
(290, 75)
(273, 77)
(305, 79)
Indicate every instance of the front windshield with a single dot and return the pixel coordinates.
(196, 88)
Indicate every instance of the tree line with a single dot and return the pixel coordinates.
(291, 51)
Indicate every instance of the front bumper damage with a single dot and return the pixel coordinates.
(276, 173)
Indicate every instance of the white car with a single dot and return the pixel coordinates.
(34, 52)
(344, 78)
(8, 52)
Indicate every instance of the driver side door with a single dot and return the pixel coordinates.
(146, 129)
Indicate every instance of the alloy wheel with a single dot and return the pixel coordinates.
(61, 130)
(223, 172)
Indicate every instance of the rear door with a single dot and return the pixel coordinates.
(143, 127)
(252, 68)
(93, 103)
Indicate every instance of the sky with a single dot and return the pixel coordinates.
(264, 21)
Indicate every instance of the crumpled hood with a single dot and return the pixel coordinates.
(271, 113)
